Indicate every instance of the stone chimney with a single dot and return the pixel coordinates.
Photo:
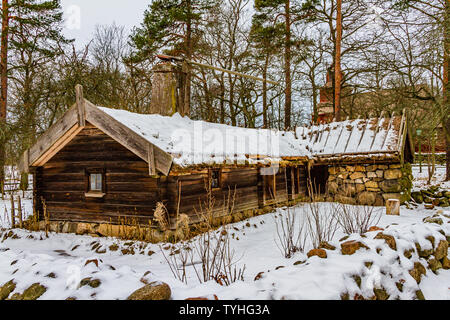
(168, 89)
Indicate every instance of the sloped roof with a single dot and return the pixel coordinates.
(162, 141)
(373, 137)
(192, 142)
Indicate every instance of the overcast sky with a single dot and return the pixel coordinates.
(81, 16)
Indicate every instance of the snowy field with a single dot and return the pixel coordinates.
(61, 261)
(421, 178)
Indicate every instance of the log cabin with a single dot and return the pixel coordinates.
(96, 165)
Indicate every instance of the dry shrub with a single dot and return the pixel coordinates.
(321, 219)
(161, 216)
(210, 254)
(289, 231)
(357, 219)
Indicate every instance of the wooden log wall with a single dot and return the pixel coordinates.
(130, 191)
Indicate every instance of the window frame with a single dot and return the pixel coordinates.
(219, 178)
(89, 193)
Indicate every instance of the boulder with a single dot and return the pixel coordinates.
(350, 247)
(417, 271)
(392, 174)
(34, 292)
(446, 263)
(357, 175)
(326, 245)
(360, 169)
(417, 196)
(380, 293)
(374, 228)
(367, 198)
(390, 186)
(380, 173)
(390, 240)
(434, 264)
(152, 291)
(441, 250)
(433, 220)
(424, 253)
(6, 289)
(317, 252)
(371, 174)
(371, 184)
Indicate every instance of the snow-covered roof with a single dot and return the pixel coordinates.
(192, 142)
(163, 141)
(368, 137)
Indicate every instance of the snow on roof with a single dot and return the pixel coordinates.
(198, 142)
(193, 142)
(353, 137)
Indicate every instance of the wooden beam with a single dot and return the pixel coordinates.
(53, 134)
(151, 160)
(80, 105)
(58, 145)
(127, 137)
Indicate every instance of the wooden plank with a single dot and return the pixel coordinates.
(80, 105)
(151, 160)
(127, 137)
(58, 145)
(53, 134)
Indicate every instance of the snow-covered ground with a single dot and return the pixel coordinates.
(59, 263)
(421, 178)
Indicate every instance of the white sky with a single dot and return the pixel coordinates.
(81, 16)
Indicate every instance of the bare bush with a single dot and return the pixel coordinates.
(321, 222)
(289, 231)
(357, 219)
(210, 254)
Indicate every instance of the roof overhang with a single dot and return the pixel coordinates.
(74, 120)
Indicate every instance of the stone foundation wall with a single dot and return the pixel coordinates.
(370, 184)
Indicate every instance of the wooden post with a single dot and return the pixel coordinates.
(80, 105)
(151, 160)
(393, 207)
(13, 213)
(19, 209)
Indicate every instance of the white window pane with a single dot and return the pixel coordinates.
(96, 182)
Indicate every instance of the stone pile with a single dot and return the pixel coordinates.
(432, 197)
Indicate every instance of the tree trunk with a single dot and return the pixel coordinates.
(264, 92)
(337, 67)
(446, 86)
(287, 68)
(189, 50)
(4, 87)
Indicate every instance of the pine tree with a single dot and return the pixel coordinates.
(173, 26)
(291, 12)
(266, 40)
(31, 37)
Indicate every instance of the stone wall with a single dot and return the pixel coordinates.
(370, 184)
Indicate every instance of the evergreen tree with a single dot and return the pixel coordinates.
(282, 15)
(32, 38)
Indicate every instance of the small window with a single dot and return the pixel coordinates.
(215, 179)
(96, 182)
